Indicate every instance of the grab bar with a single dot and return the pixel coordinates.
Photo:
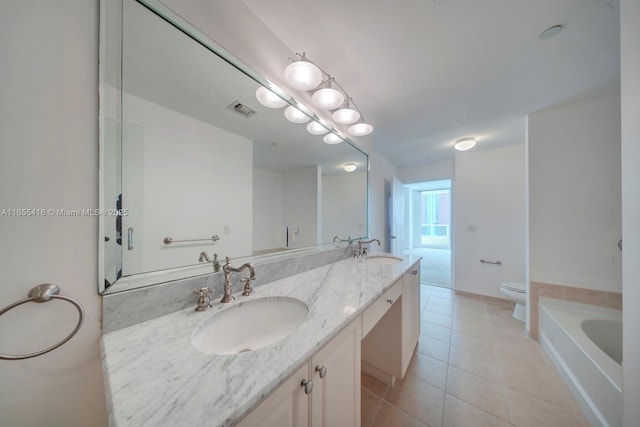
(491, 262)
(44, 293)
(169, 240)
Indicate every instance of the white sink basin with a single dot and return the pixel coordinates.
(384, 259)
(250, 325)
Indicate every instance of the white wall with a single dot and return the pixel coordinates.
(432, 171)
(301, 201)
(180, 164)
(490, 196)
(574, 194)
(630, 89)
(268, 223)
(49, 159)
(343, 214)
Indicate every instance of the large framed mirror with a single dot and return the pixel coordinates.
(191, 162)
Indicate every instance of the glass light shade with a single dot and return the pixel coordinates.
(360, 129)
(315, 128)
(346, 116)
(332, 138)
(269, 99)
(328, 98)
(303, 75)
(350, 167)
(295, 116)
(465, 144)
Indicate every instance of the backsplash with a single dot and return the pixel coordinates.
(128, 308)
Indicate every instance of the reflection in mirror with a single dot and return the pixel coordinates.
(190, 154)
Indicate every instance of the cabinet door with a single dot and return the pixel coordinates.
(335, 400)
(288, 406)
(410, 315)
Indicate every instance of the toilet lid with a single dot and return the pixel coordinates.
(514, 286)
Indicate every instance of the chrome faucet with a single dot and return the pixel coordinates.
(338, 239)
(363, 251)
(216, 264)
(227, 269)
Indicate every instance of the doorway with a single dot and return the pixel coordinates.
(428, 229)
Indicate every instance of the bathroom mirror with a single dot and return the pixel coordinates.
(192, 162)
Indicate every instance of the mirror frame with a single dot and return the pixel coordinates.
(111, 18)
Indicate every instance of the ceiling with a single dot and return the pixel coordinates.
(428, 72)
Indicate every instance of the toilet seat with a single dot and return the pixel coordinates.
(515, 287)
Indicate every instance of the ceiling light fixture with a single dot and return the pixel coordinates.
(294, 115)
(350, 167)
(315, 128)
(269, 99)
(302, 74)
(465, 144)
(332, 138)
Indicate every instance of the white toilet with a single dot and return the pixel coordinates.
(517, 293)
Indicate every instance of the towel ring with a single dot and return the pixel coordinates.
(44, 293)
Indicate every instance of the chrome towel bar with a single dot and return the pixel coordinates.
(169, 240)
(491, 262)
(44, 293)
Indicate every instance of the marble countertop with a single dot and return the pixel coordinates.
(155, 377)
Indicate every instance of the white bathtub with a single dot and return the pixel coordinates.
(583, 342)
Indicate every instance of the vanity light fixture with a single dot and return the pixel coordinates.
(315, 128)
(269, 99)
(346, 115)
(302, 74)
(350, 167)
(332, 138)
(465, 144)
(294, 115)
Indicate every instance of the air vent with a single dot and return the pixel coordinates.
(241, 109)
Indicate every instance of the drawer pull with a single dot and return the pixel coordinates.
(390, 301)
(308, 386)
(322, 370)
(414, 272)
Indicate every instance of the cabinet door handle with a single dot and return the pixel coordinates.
(414, 272)
(390, 301)
(322, 370)
(308, 386)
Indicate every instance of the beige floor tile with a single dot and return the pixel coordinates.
(460, 414)
(468, 301)
(373, 385)
(433, 348)
(507, 325)
(428, 370)
(477, 391)
(389, 416)
(438, 332)
(418, 399)
(470, 327)
(504, 341)
(438, 309)
(443, 293)
(370, 405)
(473, 343)
(542, 383)
(527, 411)
(483, 365)
(438, 319)
(465, 315)
(433, 299)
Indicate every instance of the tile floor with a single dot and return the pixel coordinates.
(474, 367)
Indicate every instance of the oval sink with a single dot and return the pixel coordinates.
(384, 259)
(249, 326)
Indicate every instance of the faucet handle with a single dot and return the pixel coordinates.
(248, 289)
(204, 302)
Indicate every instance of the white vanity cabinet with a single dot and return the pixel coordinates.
(332, 400)
(388, 346)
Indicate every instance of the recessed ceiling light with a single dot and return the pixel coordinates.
(550, 32)
(350, 167)
(465, 144)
